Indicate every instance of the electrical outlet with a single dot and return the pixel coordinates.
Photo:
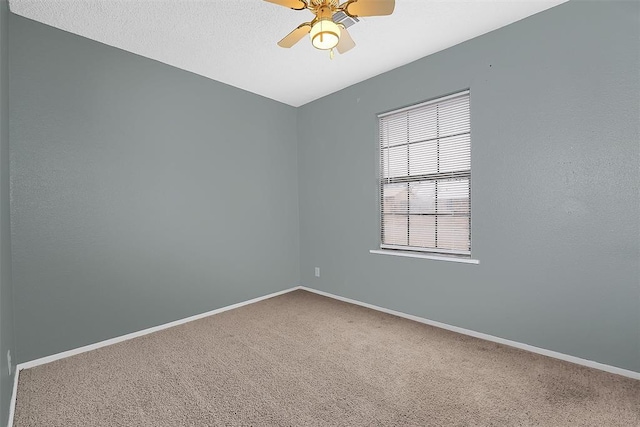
(9, 361)
(317, 271)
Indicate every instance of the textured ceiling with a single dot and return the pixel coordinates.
(234, 41)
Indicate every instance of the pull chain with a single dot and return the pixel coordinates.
(331, 54)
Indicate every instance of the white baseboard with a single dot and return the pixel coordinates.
(487, 337)
(73, 352)
(12, 405)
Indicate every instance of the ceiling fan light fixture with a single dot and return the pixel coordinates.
(325, 34)
(328, 30)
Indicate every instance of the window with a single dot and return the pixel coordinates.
(425, 177)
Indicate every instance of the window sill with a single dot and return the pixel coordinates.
(424, 256)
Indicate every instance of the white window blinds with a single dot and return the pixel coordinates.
(425, 176)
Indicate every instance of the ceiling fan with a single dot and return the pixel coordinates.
(325, 33)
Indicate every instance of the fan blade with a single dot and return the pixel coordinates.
(357, 8)
(294, 36)
(292, 4)
(346, 43)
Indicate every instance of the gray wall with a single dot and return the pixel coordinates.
(555, 154)
(141, 193)
(6, 297)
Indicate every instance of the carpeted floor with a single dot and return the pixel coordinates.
(302, 359)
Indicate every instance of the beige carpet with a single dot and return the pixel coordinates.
(301, 359)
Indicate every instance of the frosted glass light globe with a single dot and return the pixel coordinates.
(325, 34)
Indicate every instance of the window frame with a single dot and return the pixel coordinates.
(417, 251)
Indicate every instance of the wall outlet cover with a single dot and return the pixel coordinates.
(9, 361)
